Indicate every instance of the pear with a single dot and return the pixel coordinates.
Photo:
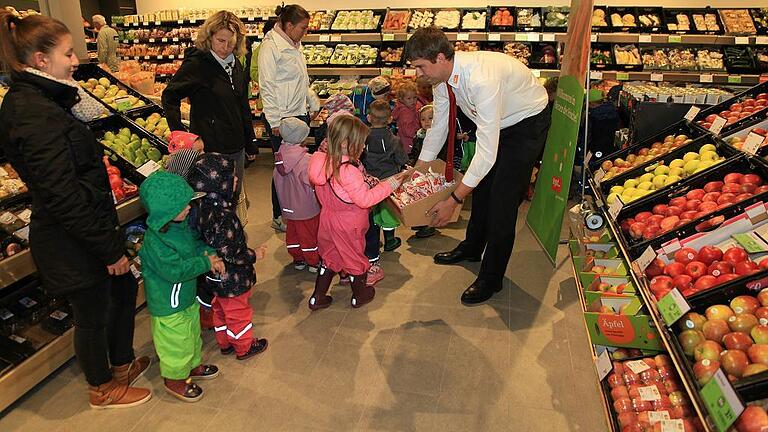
(104, 81)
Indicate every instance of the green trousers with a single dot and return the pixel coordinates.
(178, 342)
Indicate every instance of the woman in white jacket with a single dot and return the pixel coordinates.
(283, 80)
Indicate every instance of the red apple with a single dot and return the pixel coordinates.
(762, 315)
(725, 199)
(710, 118)
(695, 194)
(643, 216)
(660, 209)
(746, 268)
(763, 264)
(734, 362)
(708, 206)
(693, 204)
(723, 278)
(675, 210)
(751, 178)
(692, 321)
(641, 405)
(703, 371)
(742, 323)
(733, 177)
(688, 215)
(685, 255)
(752, 419)
(650, 232)
(669, 222)
(742, 196)
(689, 339)
(655, 220)
(748, 188)
(713, 186)
(711, 196)
(762, 297)
(623, 405)
(674, 268)
(626, 418)
(661, 282)
(696, 269)
(736, 107)
(761, 189)
(735, 255)
(655, 268)
(614, 380)
(737, 341)
(758, 353)
(744, 304)
(759, 334)
(706, 350)
(709, 254)
(704, 283)
(722, 312)
(619, 392)
(636, 230)
(682, 282)
(718, 268)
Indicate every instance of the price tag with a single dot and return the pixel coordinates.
(750, 241)
(670, 425)
(180, 22)
(135, 24)
(136, 273)
(692, 113)
(521, 37)
(145, 23)
(657, 416)
(599, 174)
(335, 38)
(548, 37)
(603, 364)
(175, 39)
(148, 168)
(25, 215)
(756, 213)
(22, 233)
(58, 315)
(761, 40)
(462, 37)
(637, 366)
(160, 57)
(495, 37)
(587, 158)
(157, 23)
(741, 40)
(17, 338)
(615, 208)
(533, 37)
(171, 57)
(391, 37)
(705, 78)
(27, 302)
(136, 41)
(193, 20)
(325, 38)
(593, 38)
(752, 143)
(721, 400)
(657, 77)
(151, 40)
(135, 58)
(386, 71)
(536, 73)
(595, 75)
(5, 314)
(645, 259)
(644, 39)
(164, 40)
(410, 72)
(649, 393)
(734, 79)
(717, 125)
(675, 39)
(123, 104)
(672, 306)
(622, 76)
(146, 57)
(671, 247)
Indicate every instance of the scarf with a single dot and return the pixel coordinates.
(228, 64)
(87, 109)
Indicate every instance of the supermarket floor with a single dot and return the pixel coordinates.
(413, 360)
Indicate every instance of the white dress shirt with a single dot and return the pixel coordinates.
(495, 91)
(283, 79)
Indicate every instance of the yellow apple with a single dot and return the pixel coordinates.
(617, 189)
(631, 183)
(659, 181)
(676, 163)
(646, 177)
(707, 147)
(661, 170)
(671, 179)
(646, 185)
(690, 156)
(691, 166)
(709, 155)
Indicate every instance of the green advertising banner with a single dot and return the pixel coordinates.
(545, 216)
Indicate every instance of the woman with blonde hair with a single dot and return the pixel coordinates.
(214, 80)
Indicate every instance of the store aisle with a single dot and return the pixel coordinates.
(413, 360)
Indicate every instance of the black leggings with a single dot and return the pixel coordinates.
(104, 320)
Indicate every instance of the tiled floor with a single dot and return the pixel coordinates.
(413, 360)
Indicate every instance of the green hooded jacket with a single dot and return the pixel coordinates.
(170, 260)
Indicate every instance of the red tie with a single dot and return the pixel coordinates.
(451, 133)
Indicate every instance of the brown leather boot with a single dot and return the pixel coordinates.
(320, 298)
(362, 293)
(129, 373)
(116, 395)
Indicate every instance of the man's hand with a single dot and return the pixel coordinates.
(260, 252)
(120, 267)
(441, 212)
(276, 131)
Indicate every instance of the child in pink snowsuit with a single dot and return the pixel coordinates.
(406, 115)
(344, 199)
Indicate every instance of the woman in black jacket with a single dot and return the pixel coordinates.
(75, 238)
(214, 80)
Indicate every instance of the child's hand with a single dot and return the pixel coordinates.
(217, 265)
(396, 180)
(261, 252)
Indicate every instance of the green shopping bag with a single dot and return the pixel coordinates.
(467, 153)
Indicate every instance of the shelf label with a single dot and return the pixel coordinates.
(671, 247)
(587, 158)
(761, 40)
(603, 364)
(135, 24)
(391, 37)
(672, 306)
(644, 39)
(692, 113)
(386, 71)
(675, 39)
(756, 212)
(670, 425)
(657, 77)
(548, 37)
(336, 38)
(495, 37)
(175, 39)
(717, 125)
(325, 38)
(741, 40)
(146, 57)
(722, 401)
(622, 76)
(25, 215)
(750, 240)
(649, 393)
(599, 174)
(136, 41)
(593, 38)
(148, 168)
(180, 22)
(123, 104)
(159, 57)
(637, 366)
(658, 416)
(705, 78)
(151, 40)
(171, 57)
(533, 37)
(615, 208)
(752, 143)
(459, 37)
(164, 40)
(644, 260)
(157, 23)
(410, 72)
(595, 75)
(145, 23)
(521, 37)
(734, 79)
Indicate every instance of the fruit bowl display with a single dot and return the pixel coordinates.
(354, 55)
(738, 110)
(152, 121)
(737, 138)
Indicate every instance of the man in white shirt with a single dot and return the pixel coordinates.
(508, 105)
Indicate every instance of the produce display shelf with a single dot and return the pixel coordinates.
(159, 57)
(53, 355)
(368, 71)
(342, 37)
(155, 40)
(678, 360)
(671, 76)
(150, 24)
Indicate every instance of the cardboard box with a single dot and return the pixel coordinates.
(415, 214)
(631, 329)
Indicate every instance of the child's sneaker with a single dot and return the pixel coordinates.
(299, 265)
(392, 244)
(204, 372)
(312, 268)
(375, 274)
(258, 347)
(184, 390)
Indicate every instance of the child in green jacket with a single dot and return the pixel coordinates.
(172, 257)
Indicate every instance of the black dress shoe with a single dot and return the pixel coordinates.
(480, 291)
(456, 256)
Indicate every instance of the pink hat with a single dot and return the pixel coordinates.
(180, 140)
(338, 102)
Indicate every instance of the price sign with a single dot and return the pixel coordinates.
(175, 39)
(148, 168)
(533, 37)
(335, 38)
(721, 400)
(160, 57)
(649, 393)
(23, 233)
(752, 143)
(391, 37)
(741, 40)
(136, 273)
(325, 38)
(645, 259)
(548, 37)
(135, 24)
(164, 40)
(761, 40)
(637, 366)
(622, 76)
(146, 57)
(136, 41)
(657, 77)
(145, 23)
(675, 39)
(603, 364)
(717, 125)
(462, 37)
(670, 425)
(180, 22)
(615, 207)
(657, 416)
(386, 71)
(587, 158)
(673, 306)
(171, 57)
(123, 104)
(734, 79)
(593, 38)
(521, 37)
(410, 72)
(705, 78)
(595, 75)
(644, 39)
(495, 37)
(599, 174)
(157, 23)
(536, 73)
(692, 113)
(151, 40)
